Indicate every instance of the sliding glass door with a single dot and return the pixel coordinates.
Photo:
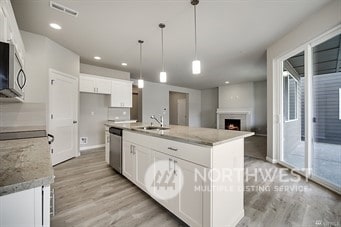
(293, 111)
(311, 110)
(326, 158)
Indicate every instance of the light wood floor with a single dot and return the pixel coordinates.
(89, 193)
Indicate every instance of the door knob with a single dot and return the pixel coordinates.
(75, 122)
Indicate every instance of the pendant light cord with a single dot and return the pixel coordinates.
(163, 62)
(140, 60)
(195, 31)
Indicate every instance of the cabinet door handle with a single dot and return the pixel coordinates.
(131, 149)
(175, 167)
(52, 138)
(172, 149)
(169, 164)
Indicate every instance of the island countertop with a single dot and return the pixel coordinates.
(24, 164)
(199, 136)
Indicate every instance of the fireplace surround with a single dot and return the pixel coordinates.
(243, 116)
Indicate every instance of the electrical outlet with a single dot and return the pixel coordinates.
(83, 140)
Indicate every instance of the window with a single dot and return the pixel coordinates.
(290, 96)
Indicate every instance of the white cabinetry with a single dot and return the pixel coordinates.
(121, 93)
(137, 159)
(26, 208)
(9, 31)
(103, 86)
(120, 90)
(93, 84)
(3, 26)
(200, 202)
(107, 144)
(129, 161)
(190, 202)
(144, 159)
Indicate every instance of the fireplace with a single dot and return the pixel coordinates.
(232, 124)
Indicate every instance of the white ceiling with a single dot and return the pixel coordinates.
(232, 35)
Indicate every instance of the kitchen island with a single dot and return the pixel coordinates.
(208, 164)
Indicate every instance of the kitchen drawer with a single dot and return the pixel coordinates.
(194, 153)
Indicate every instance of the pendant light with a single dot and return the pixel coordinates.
(140, 82)
(163, 74)
(196, 67)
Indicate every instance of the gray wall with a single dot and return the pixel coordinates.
(155, 97)
(36, 68)
(93, 114)
(327, 128)
(249, 96)
(42, 54)
(236, 96)
(94, 108)
(22, 114)
(209, 106)
(101, 71)
(260, 107)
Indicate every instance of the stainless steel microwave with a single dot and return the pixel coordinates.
(12, 75)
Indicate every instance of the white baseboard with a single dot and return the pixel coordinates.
(265, 135)
(91, 147)
(273, 161)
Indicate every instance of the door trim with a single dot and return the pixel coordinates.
(51, 71)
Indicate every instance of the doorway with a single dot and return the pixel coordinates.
(136, 110)
(178, 108)
(63, 116)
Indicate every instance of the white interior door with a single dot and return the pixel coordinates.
(182, 112)
(63, 123)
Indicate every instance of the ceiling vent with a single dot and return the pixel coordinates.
(63, 9)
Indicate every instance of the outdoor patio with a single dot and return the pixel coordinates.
(326, 161)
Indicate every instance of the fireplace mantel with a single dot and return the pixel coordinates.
(223, 111)
(243, 115)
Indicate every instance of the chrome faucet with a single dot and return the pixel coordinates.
(158, 121)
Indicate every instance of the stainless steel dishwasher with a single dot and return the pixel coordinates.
(115, 155)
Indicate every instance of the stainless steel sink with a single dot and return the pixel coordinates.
(152, 128)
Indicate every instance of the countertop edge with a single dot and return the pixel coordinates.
(22, 186)
(206, 144)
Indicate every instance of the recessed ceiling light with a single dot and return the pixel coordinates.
(97, 58)
(227, 82)
(124, 64)
(55, 26)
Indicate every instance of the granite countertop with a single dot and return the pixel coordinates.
(198, 136)
(22, 129)
(24, 164)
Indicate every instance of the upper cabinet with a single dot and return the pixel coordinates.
(9, 31)
(120, 90)
(121, 93)
(94, 84)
